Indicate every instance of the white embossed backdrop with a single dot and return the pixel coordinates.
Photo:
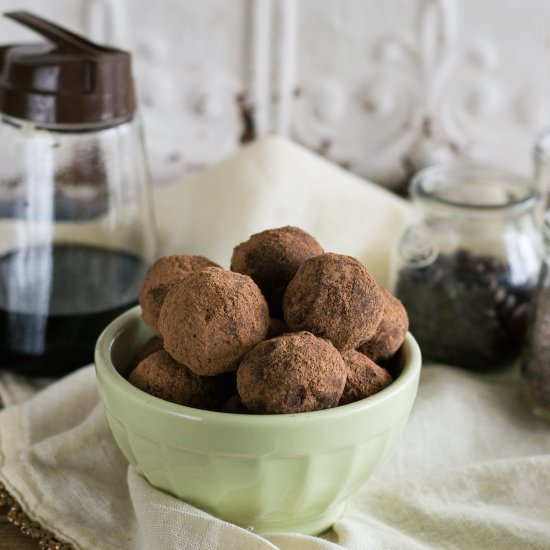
(382, 88)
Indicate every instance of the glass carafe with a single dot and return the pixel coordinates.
(467, 270)
(76, 221)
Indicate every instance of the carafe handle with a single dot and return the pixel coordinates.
(61, 37)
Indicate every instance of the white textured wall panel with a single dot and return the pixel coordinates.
(383, 88)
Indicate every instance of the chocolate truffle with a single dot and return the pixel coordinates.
(364, 377)
(211, 319)
(272, 257)
(294, 373)
(161, 376)
(335, 297)
(158, 279)
(276, 328)
(391, 331)
(152, 345)
(235, 405)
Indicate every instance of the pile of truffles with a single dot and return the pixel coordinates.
(288, 329)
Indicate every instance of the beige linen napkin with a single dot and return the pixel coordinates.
(472, 471)
(273, 183)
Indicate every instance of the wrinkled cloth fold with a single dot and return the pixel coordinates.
(472, 471)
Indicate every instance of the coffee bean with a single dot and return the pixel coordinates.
(480, 267)
(463, 256)
(510, 302)
(500, 295)
(517, 323)
(465, 310)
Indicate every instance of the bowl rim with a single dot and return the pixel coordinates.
(105, 370)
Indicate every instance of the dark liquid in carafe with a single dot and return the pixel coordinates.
(56, 300)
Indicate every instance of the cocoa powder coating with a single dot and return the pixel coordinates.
(276, 328)
(161, 376)
(235, 405)
(391, 331)
(293, 373)
(152, 345)
(211, 318)
(272, 258)
(161, 275)
(335, 297)
(365, 377)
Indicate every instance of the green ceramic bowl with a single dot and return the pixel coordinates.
(270, 473)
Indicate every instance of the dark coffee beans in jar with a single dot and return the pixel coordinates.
(466, 310)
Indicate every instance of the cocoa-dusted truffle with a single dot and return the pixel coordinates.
(211, 319)
(391, 331)
(276, 328)
(158, 279)
(152, 345)
(364, 377)
(334, 296)
(296, 372)
(161, 376)
(235, 405)
(272, 257)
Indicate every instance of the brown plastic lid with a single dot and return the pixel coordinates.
(68, 80)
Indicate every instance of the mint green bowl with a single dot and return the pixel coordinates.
(272, 473)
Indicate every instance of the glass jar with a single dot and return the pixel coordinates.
(76, 221)
(467, 269)
(536, 364)
(541, 160)
(76, 235)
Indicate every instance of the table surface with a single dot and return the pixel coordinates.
(12, 539)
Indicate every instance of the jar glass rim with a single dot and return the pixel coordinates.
(546, 226)
(542, 146)
(443, 185)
